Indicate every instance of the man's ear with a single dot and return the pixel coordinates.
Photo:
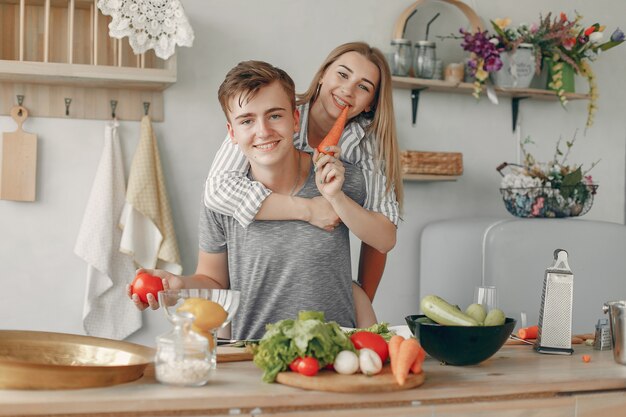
(296, 120)
(231, 133)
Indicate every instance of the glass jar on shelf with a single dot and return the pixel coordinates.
(401, 64)
(182, 357)
(424, 59)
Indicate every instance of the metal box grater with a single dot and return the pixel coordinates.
(555, 316)
(602, 340)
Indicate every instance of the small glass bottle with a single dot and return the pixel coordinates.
(182, 357)
(401, 57)
(425, 57)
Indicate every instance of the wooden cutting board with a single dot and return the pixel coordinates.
(331, 381)
(18, 167)
(233, 354)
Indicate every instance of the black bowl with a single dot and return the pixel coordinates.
(459, 345)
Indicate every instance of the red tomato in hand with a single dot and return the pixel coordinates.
(308, 366)
(294, 364)
(372, 341)
(145, 284)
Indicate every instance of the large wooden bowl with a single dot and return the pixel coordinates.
(42, 360)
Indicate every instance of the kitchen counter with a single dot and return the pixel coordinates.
(514, 381)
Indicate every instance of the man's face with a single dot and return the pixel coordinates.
(264, 126)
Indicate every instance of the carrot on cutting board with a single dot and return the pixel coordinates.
(409, 351)
(394, 348)
(416, 367)
(334, 134)
(528, 332)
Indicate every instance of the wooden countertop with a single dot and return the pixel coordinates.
(515, 373)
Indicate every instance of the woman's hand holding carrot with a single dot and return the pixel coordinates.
(329, 175)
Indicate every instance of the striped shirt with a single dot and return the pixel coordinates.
(229, 191)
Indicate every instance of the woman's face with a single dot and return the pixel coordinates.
(351, 80)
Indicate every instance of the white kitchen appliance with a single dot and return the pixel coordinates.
(555, 316)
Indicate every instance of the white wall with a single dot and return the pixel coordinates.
(44, 282)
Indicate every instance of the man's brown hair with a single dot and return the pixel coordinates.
(248, 77)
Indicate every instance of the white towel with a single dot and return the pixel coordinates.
(148, 230)
(107, 311)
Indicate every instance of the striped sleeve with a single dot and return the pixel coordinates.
(377, 199)
(228, 190)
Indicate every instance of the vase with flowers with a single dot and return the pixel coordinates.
(518, 58)
(552, 189)
(567, 47)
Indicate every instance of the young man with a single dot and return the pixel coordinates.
(280, 267)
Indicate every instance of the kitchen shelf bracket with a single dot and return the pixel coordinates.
(415, 98)
(515, 109)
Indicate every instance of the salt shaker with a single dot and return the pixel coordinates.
(182, 357)
(425, 57)
(401, 57)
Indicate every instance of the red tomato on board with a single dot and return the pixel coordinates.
(294, 364)
(308, 366)
(145, 284)
(376, 342)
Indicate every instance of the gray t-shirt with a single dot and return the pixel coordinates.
(282, 267)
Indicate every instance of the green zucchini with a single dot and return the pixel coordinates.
(442, 312)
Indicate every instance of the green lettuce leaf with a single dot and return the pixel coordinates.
(309, 335)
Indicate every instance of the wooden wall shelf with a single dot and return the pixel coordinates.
(427, 178)
(417, 85)
(102, 76)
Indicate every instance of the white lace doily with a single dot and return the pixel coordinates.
(149, 24)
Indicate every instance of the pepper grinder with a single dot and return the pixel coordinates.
(555, 316)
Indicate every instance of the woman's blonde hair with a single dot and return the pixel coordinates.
(383, 123)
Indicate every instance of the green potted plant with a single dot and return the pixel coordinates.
(567, 47)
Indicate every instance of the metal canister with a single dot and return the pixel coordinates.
(617, 322)
(602, 340)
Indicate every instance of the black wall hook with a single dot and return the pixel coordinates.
(20, 100)
(113, 107)
(68, 101)
(146, 107)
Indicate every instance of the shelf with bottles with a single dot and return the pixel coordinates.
(417, 85)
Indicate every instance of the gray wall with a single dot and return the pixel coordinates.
(44, 282)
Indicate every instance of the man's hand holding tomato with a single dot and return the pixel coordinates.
(146, 287)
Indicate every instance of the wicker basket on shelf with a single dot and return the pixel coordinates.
(432, 163)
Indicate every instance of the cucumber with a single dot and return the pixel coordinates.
(477, 312)
(442, 312)
(425, 320)
(495, 317)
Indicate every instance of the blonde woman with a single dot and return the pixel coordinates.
(356, 75)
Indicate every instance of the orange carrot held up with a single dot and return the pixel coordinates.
(416, 367)
(334, 134)
(528, 332)
(409, 351)
(394, 348)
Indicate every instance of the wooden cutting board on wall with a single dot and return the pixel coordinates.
(18, 163)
